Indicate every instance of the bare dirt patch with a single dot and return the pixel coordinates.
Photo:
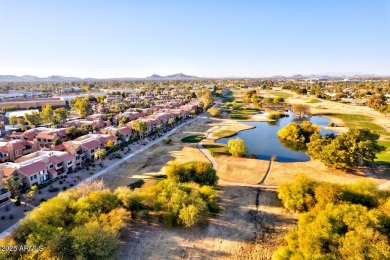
(316, 170)
(238, 232)
(242, 170)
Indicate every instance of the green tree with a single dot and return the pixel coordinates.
(94, 241)
(376, 101)
(13, 120)
(129, 199)
(278, 100)
(57, 141)
(30, 195)
(384, 109)
(140, 126)
(301, 110)
(22, 124)
(297, 196)
(342, 231)
(348, 149)
(82, 106)
(237, 147)
(207, 98)
(214, 111)
(61, 114)
(13, 184)
(100, 154)
(298, 133)
(47, 114)
(33, 118)
(171, 121)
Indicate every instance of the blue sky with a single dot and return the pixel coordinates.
(204, 38)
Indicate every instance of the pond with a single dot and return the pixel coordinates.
(263, 141)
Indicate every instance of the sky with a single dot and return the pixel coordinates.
(209, 38)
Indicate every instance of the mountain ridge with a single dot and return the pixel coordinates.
(178, 76)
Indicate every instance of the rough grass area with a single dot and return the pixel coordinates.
(279, 93)
(224, 133)
(241, 170)
(217, 149)
(192, 139)
(314, 100)
(243, 113)
(363, 121)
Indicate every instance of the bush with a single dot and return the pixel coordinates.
(64, 188)
(2, 217)
(60, 182)
(11, 216)
(297, 196)
(167, 140)
(276, 115)
(331, 124)
(214, 111)
(199, 172)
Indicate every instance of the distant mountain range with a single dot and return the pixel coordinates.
(174, 76)
(28, 78)
(178, 76)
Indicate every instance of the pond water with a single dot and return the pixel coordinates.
(264, 143)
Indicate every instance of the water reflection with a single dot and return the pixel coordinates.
(263, 141)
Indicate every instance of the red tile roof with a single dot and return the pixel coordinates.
(29, 135)
(91, 145)
(60, 147)
(32, 168)
(18, 146)
(4, 149)
(67, 157)
(125, 130)
(54, 159)
(8, 172)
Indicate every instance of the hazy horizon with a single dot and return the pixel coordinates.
(219, 39)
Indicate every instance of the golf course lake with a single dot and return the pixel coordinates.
(263, 141)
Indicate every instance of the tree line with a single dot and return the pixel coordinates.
(86, 223)
(336, 221)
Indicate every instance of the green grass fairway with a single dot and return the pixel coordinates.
(224, 133)
(280, 93)
(217, 149)
(192, 139)
(314, 100)
(362, 121)
(243, 113)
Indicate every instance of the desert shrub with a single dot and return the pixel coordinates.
(167, 140)
(199, 172)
